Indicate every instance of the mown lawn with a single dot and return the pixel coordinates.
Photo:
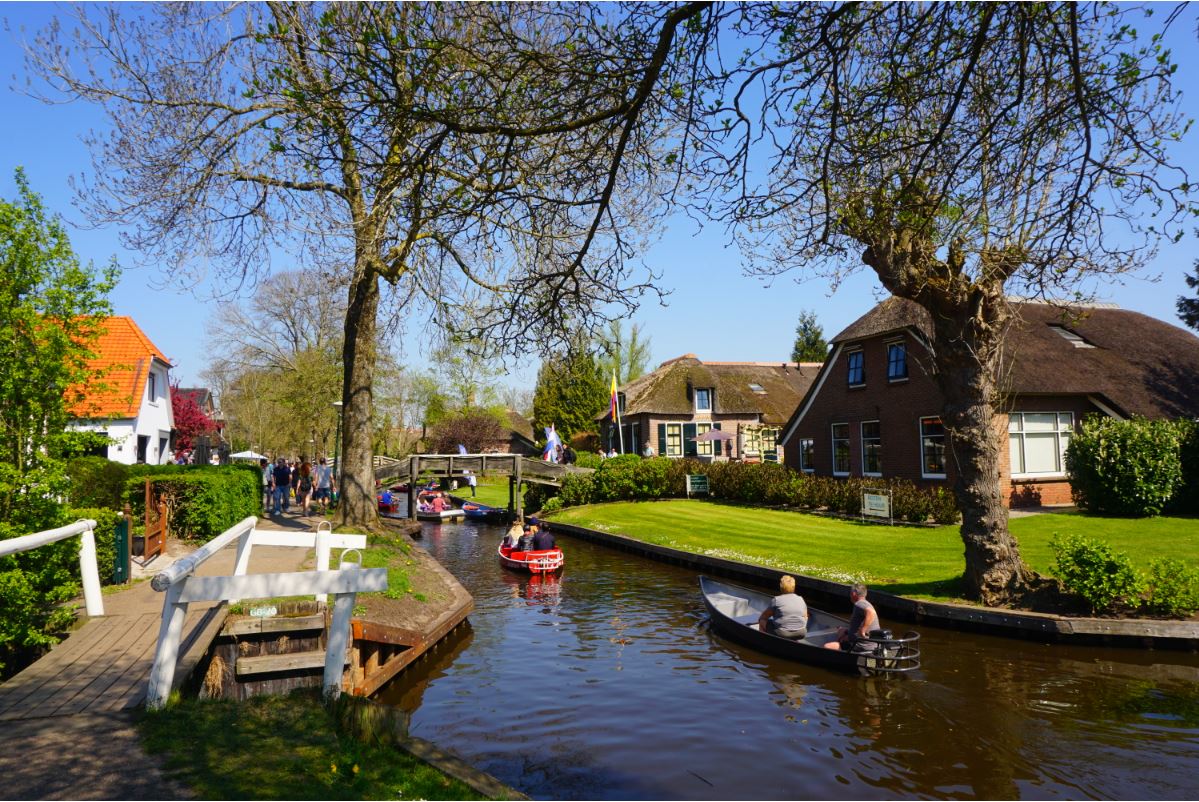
(491, 490)
(284, 747)
(922, 562)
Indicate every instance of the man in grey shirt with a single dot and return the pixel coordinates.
(787, 615)
(863, 621)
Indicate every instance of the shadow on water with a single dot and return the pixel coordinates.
(606, 683)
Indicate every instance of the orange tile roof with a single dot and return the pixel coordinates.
(124, 354)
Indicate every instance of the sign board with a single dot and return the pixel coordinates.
(876, 503)
(264, 612)
(697, 483)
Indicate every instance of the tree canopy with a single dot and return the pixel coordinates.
(809, 340)
(1188, 308)
(571, 391)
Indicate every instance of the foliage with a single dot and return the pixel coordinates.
(1188, 308)
(96, 482)
(586, 446)
(625, 356)
(285, 747)
(630, 477)
(1125, 467)
(571, 391)
(106, 537)
(577, 489)
(477, 429)
(1172, 588)
(810, 345)
(1102, 576)
(1186, 500)
(191, 422)
(553, 504)
(202, 501)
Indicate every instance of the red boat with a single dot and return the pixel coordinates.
(535, 562)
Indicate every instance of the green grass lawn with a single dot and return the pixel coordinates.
(922, 562)
(284, 747)
(492, 491)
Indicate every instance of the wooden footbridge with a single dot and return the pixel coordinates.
(517, 468)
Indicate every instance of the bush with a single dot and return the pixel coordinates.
(945, 505)
(577, 489)
(96, 482)
(587, 459)
(1130, 467)
(1186, 500)
(537, 495)
(629, 477)
(1103, 577)
(202, 501)
(106, 538)
(552, 504)
(1173, 588)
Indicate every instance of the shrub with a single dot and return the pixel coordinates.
(1130, 467)
(1103, 577)
(945, 505)
(537, 495)
(106, 538)
(1173, 588)
(587, 459)
(1186, 500)
(96, 482)
(630, 477)
(577, 489)
(203, 502)
(552, 504)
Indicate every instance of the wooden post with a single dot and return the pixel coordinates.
(170, 632)
(90, 574)
(413, 462)
(323, 534)
(517, 495)
(338, 642)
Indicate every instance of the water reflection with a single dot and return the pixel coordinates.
(606, 683)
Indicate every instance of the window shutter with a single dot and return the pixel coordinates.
(690, 447)
(716, 443)
(661, 439)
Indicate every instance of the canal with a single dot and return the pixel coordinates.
(606, 683)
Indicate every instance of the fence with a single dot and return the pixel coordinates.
(88, 571)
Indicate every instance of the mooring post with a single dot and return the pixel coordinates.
(519, 501)
(413, 461)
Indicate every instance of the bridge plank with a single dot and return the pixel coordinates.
(126, 657)
(67, 658)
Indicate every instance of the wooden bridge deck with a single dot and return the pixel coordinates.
(104, 666)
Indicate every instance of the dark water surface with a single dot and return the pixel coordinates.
(608, 684)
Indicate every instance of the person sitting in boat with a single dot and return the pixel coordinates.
(543, 539)
(526, 539)
(514, 534)
(438, 504)
(863, 621)
(787, 615)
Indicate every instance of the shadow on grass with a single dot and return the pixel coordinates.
(951, 589)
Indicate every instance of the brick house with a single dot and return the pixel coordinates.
(685, 397)
(131, 403)
(874, 410)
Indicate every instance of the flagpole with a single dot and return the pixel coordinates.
(616, 408)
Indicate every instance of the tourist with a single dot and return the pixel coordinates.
(264, 465)
(569, 456)
(612, 452)
(281, 486)
(542, 538)
(304, 487)
(526, 540)
(438, 504)
(787, 615)
(863, 621)
(472, 481)
(648, 451)
(514, 534)
(324, 485)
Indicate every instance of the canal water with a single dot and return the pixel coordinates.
(607, 683)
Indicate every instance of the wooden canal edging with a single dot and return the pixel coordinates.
(1139, 633)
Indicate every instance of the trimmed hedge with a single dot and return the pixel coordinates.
(631, 478)
(203, 501)
(1129, 467)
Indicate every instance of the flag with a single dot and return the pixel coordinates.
(461, 449)
(612, 402)
(551, 444)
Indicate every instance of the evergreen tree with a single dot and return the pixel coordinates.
(809, 340)
(1188, 308)
(571, 391)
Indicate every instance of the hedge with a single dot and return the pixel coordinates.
(202, 502)
(1131, 467)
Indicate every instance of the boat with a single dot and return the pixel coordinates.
(388, 503)
(448, 514)
(734, 613)
(535, 562)
(482, 512)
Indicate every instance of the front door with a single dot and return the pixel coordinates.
(143, 445)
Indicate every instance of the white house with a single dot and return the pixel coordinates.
(131, 403)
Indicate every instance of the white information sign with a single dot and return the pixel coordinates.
(876, 503)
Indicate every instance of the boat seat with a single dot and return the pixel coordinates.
(748, 618)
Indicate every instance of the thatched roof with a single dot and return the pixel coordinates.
(1138, 364)
(667, 389)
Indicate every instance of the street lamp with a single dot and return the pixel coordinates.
(337, 449)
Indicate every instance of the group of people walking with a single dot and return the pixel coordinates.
(298, 479)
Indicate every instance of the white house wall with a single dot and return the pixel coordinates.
(155, 420)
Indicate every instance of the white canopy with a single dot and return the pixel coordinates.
(247, 455)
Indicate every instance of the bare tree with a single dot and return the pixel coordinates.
(960, 151)
(487, 159)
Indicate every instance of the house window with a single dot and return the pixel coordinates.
(857, 368)
(620, 403)
(674, 439)
(703, 399)
(897, 362)
(872, 448)
(152, 387)
(840, 449)
(703, 447)
(807, 455)
(1037, 442)
(932, 448)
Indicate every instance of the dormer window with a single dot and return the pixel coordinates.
(703, 399)
(857, 368)
(757, 388)
(1071, 337)
(620, 403)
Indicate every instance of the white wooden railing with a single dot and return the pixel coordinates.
(88, 571)
(182, 587)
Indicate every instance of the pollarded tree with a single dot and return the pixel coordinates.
(477, 157)
(960, 151)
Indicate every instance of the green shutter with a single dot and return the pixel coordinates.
(661, 439)
(716, 443)
(690, 447)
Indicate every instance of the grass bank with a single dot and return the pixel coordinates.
(920, 562)
(285, 747)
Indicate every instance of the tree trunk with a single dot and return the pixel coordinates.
(966, 359)
(357, 499)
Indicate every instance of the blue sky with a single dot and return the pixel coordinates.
(713, 311)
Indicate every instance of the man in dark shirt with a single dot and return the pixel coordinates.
(281, 486)
(863, 621)
(542, 539)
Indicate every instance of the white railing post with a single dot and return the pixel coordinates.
(339, 632)
(244, 544)
(93, 599)
(324, 532)
(170, 632)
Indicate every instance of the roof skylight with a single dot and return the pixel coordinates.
(1074, 339)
